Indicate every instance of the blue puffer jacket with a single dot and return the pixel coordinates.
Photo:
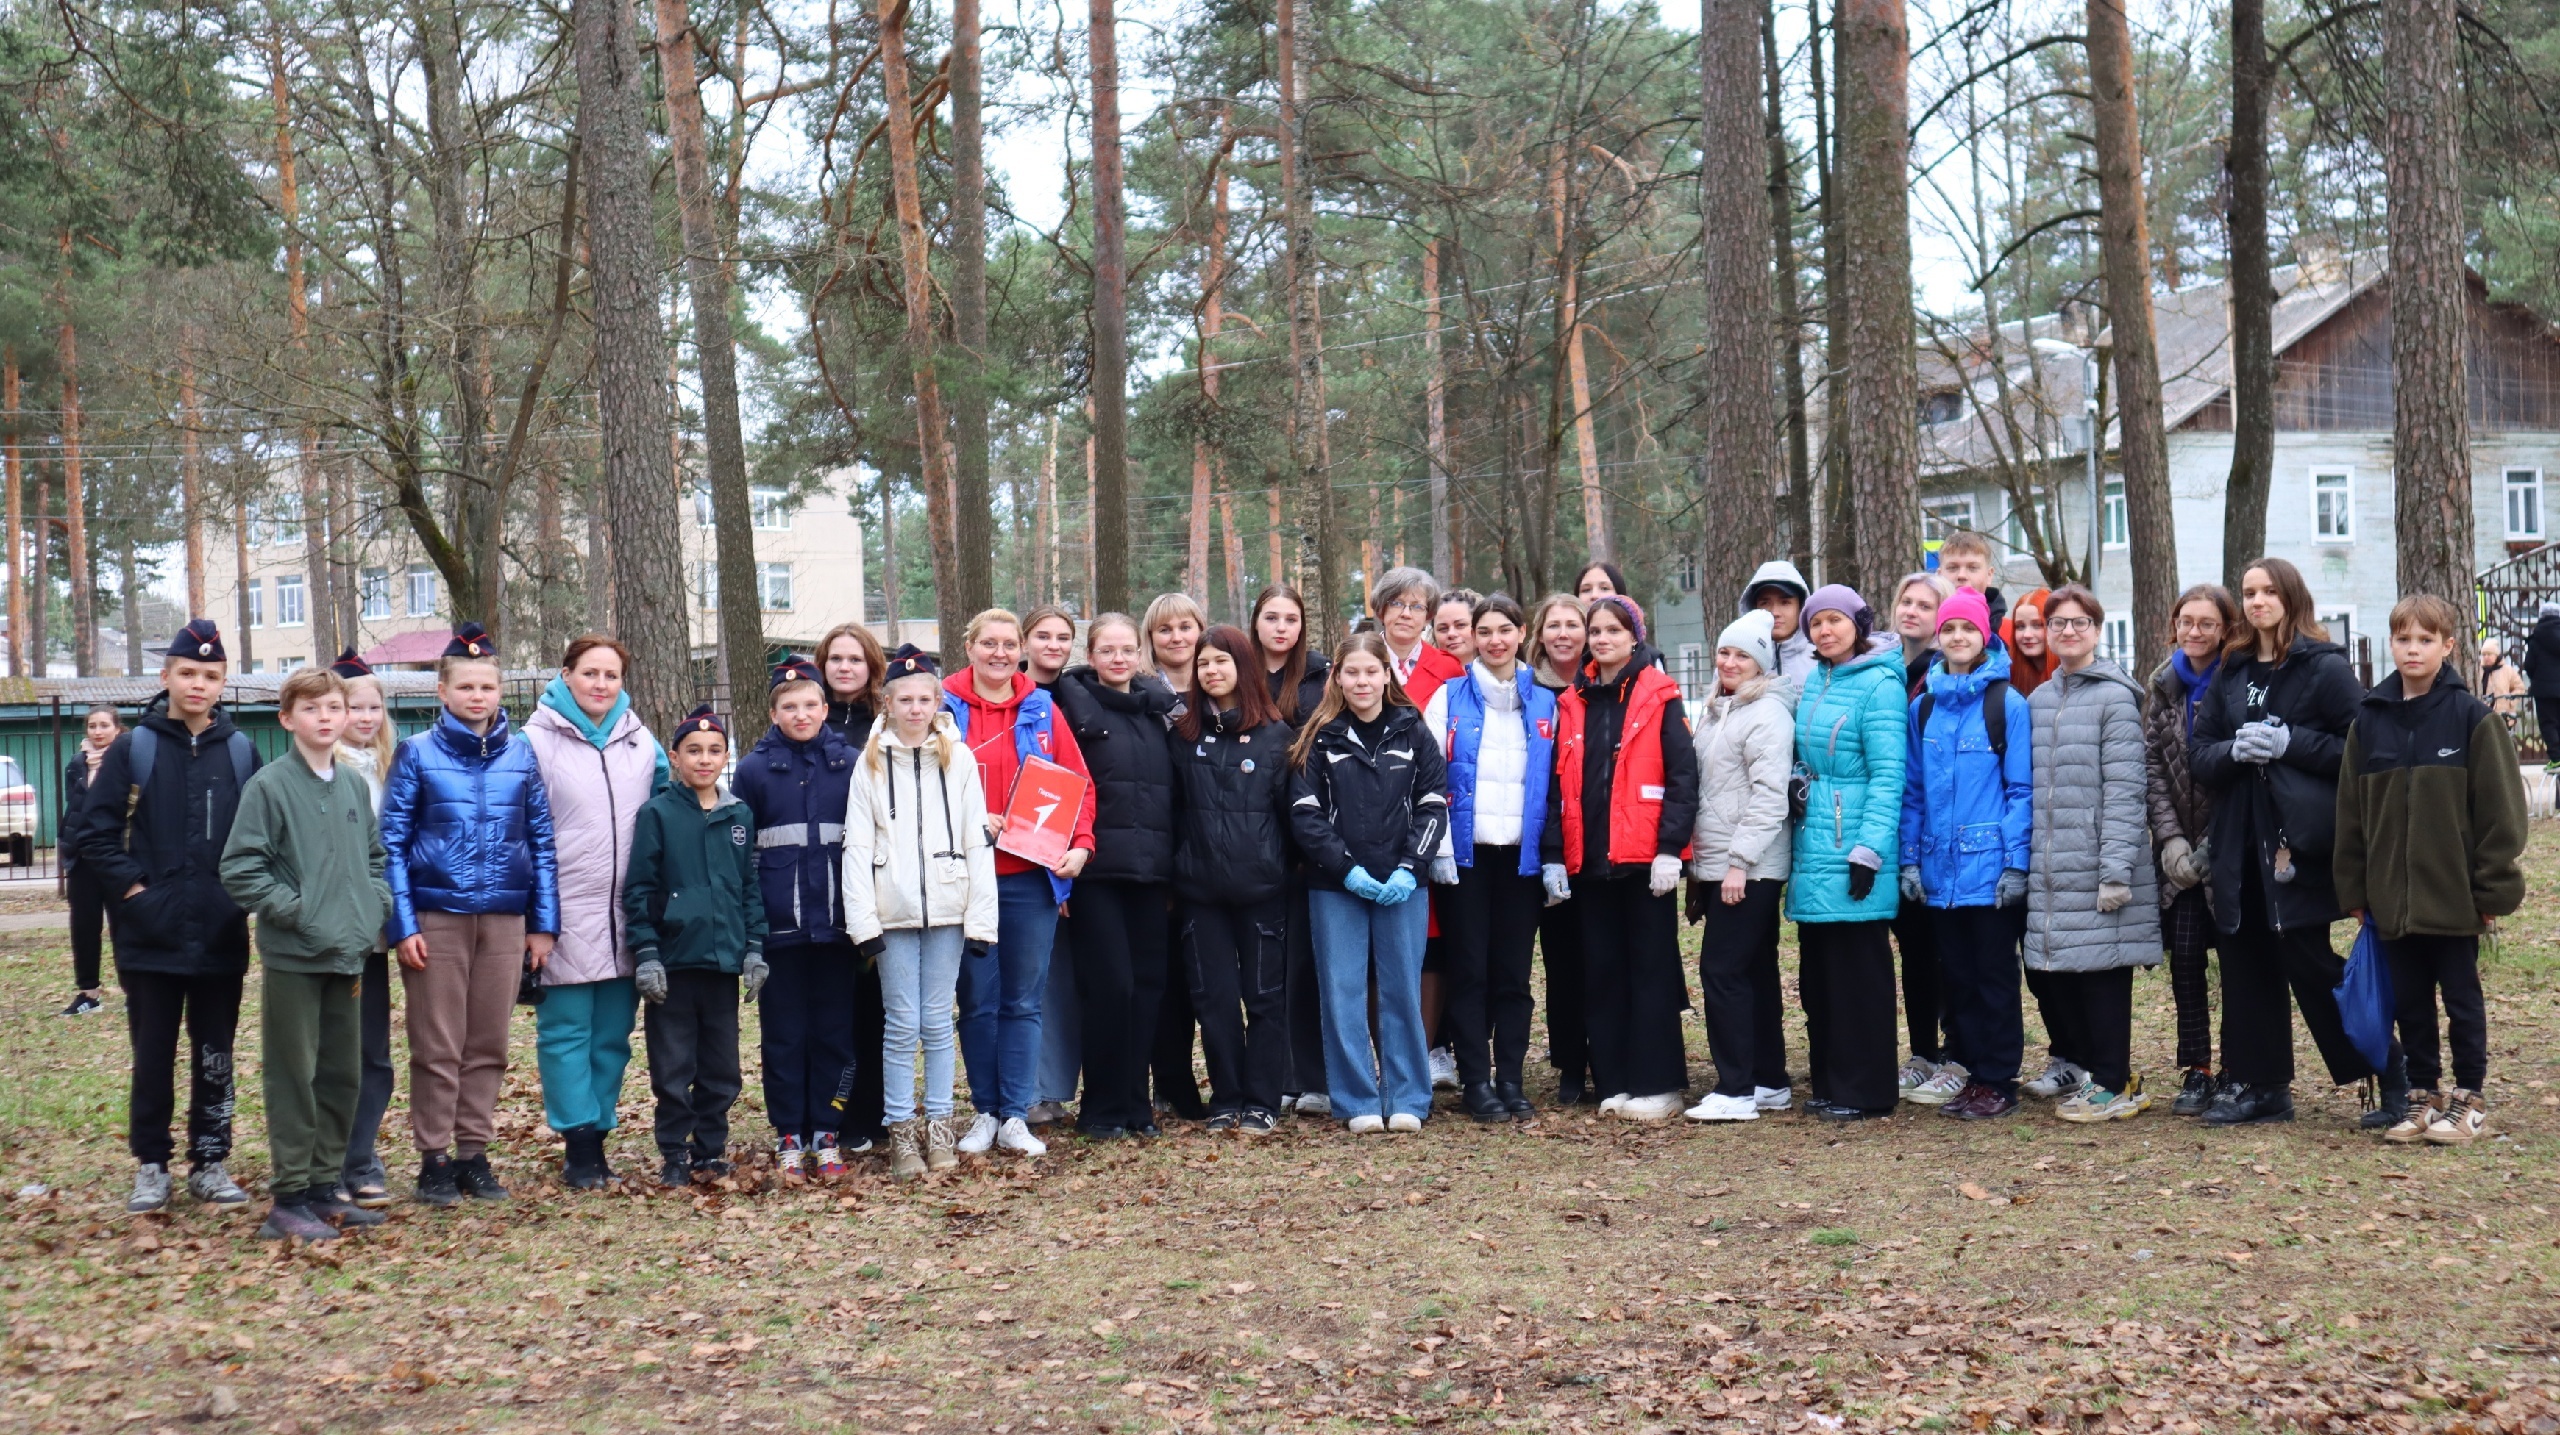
(467, 828)
(1966, 812)
(798, 792)
(1849, 739)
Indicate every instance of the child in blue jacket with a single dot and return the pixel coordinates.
(1967, 817)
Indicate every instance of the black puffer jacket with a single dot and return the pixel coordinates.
(1232, 787)
(1123, 738)
(2291, 802)
(1310, 689)
(1376, 809)
(851, 720)
(182, 921)
(2542, 655)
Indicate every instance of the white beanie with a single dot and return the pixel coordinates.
(1756, 633)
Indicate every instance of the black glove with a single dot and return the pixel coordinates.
(870, 951)
(975, 948)
(1701, 896)
(1862, 880)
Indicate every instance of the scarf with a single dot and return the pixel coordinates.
(558, 698)
(2195, 682)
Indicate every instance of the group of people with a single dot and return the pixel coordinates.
(1331, 875)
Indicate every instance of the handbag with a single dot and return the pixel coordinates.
(2365, 1000)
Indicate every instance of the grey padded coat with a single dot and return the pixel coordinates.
(2092, 825)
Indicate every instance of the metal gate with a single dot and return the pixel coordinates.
(33, 753)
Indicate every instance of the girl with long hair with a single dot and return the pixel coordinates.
(98, 732)
(1294, 672)
(850, 660)
(1294, 675)
(2181, 813)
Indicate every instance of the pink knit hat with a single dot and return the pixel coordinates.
(1968, 605)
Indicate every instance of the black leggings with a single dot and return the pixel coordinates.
(1738, 992)
(1235, 960)
(2187, 926)
(1632, 985)
(1123, 931)
(88, 925)
(1488, 924)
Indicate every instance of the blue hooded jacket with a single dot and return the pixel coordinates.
(466, 826)
(1966, 812)
(798, 792)
(1850, 743)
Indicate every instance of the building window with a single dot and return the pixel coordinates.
(422, 591)
(2113, 529)
(2524, 503)
(773, 580)
(2341, 623)
(2333, 507)
(772, 509)
(257, 604)
(284, 518)
(1685, 573)
(286, 665)
(2013, 526)
(377, 592)
(1942, 517)
(706, 584)
(289, 610)
(2117, 646)
(1943, 407)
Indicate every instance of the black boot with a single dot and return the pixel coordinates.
(331, 1205)
(473, 1176)
(577, 1159)
(2239, 1104)
(436, 1183)
(2390, 1096)
(675, 1172)
(1481, 1103)
(1514, 1100)
(1569, 1090)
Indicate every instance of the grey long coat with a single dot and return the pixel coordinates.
(2092, 825)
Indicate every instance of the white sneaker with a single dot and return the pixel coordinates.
(1367, 1125)
(982, 1135)
(2061, 1078)
(1015, 1135)
(1404, 1121)
(1444, 1068)
(1773, 1098)
(1650, 1108)
(1914, 1072)
(1724, 1108)
(212, 1185)
(1609, 1106)
(1315, 1103)
(1941, 1088)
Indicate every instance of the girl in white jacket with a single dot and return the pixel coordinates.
(1746, 737)
(919, 890)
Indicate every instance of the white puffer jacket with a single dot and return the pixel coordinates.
(915, 840)
(1746, 747)
(1502, 757)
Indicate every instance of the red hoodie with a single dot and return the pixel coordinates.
(990, 734)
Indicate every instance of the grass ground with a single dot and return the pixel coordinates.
(1568, 1274)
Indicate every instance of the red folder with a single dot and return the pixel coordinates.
(1040, 819)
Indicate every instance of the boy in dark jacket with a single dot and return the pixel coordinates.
(306, 856)
(696, 921)
(151, 836)
(2431, 827)
(796, 781)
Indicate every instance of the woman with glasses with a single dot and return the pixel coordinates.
(2180, 812)
(1403, 600)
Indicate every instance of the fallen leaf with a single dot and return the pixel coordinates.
(1974, 1192)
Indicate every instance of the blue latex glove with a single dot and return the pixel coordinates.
(1363, 886)
(1398, 886)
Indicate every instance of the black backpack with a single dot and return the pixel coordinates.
(142, 753)
(1995, 715)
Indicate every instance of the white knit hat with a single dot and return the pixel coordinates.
(1756, 633)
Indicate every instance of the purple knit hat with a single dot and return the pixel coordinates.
(1841, 598)
(1628, 611)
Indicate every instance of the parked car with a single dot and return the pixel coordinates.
(17, 813)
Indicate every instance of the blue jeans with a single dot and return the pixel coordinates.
(1352, 938)
(1000, 998)
(917, 976)
(581, 1043)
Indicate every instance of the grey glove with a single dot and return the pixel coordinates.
(755, 972)
(1559, 887)
(2012, 889)
(2113, 895)
(1444, 871)
(2278, 738)
(651, 977)
(1664, 876)
(2260, 742)
(1912, 891)
(2178, 864)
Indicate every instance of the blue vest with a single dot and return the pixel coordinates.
(1031, 724)
(1466, 737)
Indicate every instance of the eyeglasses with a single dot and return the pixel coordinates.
(2199, 625)
(1407, 605)
(2070, 625)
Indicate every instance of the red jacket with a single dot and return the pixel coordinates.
(1636, 788)
(989, 731)
(1431, 668)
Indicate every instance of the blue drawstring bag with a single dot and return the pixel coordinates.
(2364, 999)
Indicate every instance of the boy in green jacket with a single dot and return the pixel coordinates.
(695, 915)
(305, 858)
(2431, 833)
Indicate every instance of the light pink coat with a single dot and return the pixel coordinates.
(596, 796)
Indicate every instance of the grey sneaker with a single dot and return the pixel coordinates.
(212, 1185)
(1444, 1068)
(295, 1223)
(2061, 1078)
(150, 1191)
(1914, 1074)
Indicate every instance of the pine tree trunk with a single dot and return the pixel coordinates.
(128, 588)
(1320, 543)
(318, 606)
(75, 521)
(468, 549)
(2253, 300)
(1597, 540)
(1435, 415)
(1880, 390)
(1110, 325)
(1838, 551)
(716, 355)
(190, 474)
(39, 631)
(933, 430)
(243, 647)
(16, 534)
(2431, 413)
(640, 490)
(1738, 456)
(2124, 236)
(1782, 236)
(975, 519)
(1213, 284)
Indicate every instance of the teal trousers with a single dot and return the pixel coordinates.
(582, 1042)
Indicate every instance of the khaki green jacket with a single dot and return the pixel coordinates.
(305, 858)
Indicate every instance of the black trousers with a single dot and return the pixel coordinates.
(1738, 991)
(1632, 985)
(2096, 1012)
(2056, 1026)
(2261, 967)
(376, 1079)
(1977, 951)
(1923, 987)
(1305, 998)
(1845, 983)
(805, 1017)
(693, 1063)
(2546, 717)
(1560, 947)
(2420, 967)
(2187, 927)
(156, 1006)
(1235, 960)
(862, 1120)
(1488, 928)
(88, 926)
(1123, 932)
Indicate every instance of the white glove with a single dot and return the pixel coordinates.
(1559, 888)
(1912, 891)
(2178, 864)
(1444, 870)
(2113, 895)
(1665, 875)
